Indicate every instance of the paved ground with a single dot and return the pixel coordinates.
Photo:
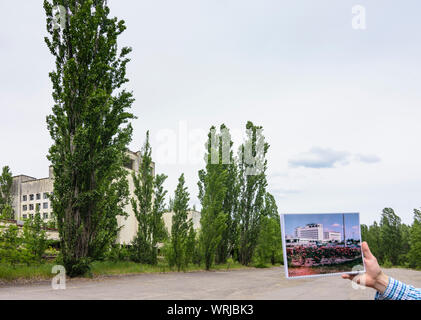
(236, 284)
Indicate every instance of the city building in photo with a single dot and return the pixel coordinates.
(312, 231)
(332, 236)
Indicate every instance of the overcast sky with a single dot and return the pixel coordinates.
(340, 107)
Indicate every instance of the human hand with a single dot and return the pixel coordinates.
(374, 276)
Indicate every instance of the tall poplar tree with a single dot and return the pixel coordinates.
(230, 203)
(89, 126)
(414, 255)
(6, 181)
(269, 243)
(148, 206)
(181, 226)
(374, 240)
(217, 196)
(252, 180)
(390, 236)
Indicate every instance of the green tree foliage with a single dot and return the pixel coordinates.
(23, 246)
(414, 254)
(211, 235)
(35, 237)
(213, 193)
(191, 244)
(118, 252)
(229, 239)
(392, 242)
(390, 236)
(148, 206)
(90, 129)
(15, 249)
(159, 207)
(252, 180)
(364, 232)
(10, 246)
(178, 247)
(197, 256)
(374, 239)
(269, 243)
(6, 181)
(371, 234)
(265, 251)
(170, 204)
(405, 244)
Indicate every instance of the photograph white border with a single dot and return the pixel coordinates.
(282, 221)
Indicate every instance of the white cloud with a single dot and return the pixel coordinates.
(329, 158)
(367, 158)
(320, 158)
(282, 192)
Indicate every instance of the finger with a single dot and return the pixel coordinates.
(348, 276)
(366, 251)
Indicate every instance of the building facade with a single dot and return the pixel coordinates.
(312, 231)
(193, 215)
(30, 193)
(333, 236)
(291, 242)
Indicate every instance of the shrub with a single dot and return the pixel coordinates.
(167, 252)
(35, 238)
(118, 252)
(387, 263)
(10, 246)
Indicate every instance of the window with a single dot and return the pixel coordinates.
(31, 216)
(45, 195)
(25, 207)
(45, 215)
(31, 206)
(24, 197)
(38, 196)
(25, 216)
(45, 205)
(38, 206)
(129, 164)
(31, 197)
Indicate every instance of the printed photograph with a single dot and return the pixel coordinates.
(321, 244)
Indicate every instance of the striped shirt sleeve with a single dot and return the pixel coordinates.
(397, 290)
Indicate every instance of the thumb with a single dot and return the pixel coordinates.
(366, 251)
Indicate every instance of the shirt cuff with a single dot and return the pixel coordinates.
(388, 293)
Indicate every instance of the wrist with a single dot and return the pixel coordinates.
(381, 282)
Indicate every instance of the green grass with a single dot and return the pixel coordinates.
(406, 266)
(35, 272)
(25, 273)
(128, 267)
